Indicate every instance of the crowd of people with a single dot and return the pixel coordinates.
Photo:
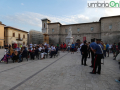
(96, 50)
(32, 51)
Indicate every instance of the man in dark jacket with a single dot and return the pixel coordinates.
(84, 50)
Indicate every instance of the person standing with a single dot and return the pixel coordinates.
(31, 46)
(107, 49)
(88, 49)
(80, 47)
(114, 49)
(52, 50)
(117, 51)
(72, 48)
(68, 47)
(110, 46)
(61, 46)
(84, 50)
(98, 50)
(92, 45)
(64, 47)
(104, 50)
(9, 46)
(6, 48)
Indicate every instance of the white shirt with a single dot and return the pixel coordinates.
(69, 45)
(30, 45)
(110, 46)
(53, 48)
(81, 45)
(40, 48)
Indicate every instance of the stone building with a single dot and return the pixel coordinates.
(15, 35)
(107, 28)
(35, 37)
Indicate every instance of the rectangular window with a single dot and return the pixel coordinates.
(13, 34)
(23, 36)
(66, 30)
(78, 29)
(52, 30)
(110, 26)
(23, 43)
(92, 28)
(19, 36)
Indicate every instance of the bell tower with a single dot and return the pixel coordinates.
(45, 22)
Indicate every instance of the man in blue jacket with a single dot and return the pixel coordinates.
(98, 50)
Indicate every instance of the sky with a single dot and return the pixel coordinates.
(27, 14)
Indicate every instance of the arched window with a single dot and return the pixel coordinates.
(44, 25)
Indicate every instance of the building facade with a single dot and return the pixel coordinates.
(35, 37)
(1, 34)
(108, 29)
(14, 35)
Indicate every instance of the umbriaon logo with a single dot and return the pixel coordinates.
(103, 4)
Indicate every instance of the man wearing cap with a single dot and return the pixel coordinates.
(98, 49)
(92, 45)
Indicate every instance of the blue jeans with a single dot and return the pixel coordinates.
(104, 51)
(20, 58)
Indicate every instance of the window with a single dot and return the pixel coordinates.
(44, 25)
(92, 28)
(78, 29)
(23, 43)
(13, 34)
(110, 26)
(23, 36)
(19, 36)
(52, 30)
(66, 30)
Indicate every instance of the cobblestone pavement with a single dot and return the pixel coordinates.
(64, 72)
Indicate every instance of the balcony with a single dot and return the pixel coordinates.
(19, 39)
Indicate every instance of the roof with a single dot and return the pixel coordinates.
(3, 24)
(109, 17)
(55, 23)
(81, 23)
(45, 19)
(16, 29)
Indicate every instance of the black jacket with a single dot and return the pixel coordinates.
(84, 50)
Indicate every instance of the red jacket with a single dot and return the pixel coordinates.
(64, 46)
(61, 45)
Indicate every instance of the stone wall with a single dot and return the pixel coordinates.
(81, 30)
(53, 31)
(110, 29)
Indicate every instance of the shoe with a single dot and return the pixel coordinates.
(98, 72)
(85, 65)
(50, 57)
(114, 59)
(92, 73)
(91, 66)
